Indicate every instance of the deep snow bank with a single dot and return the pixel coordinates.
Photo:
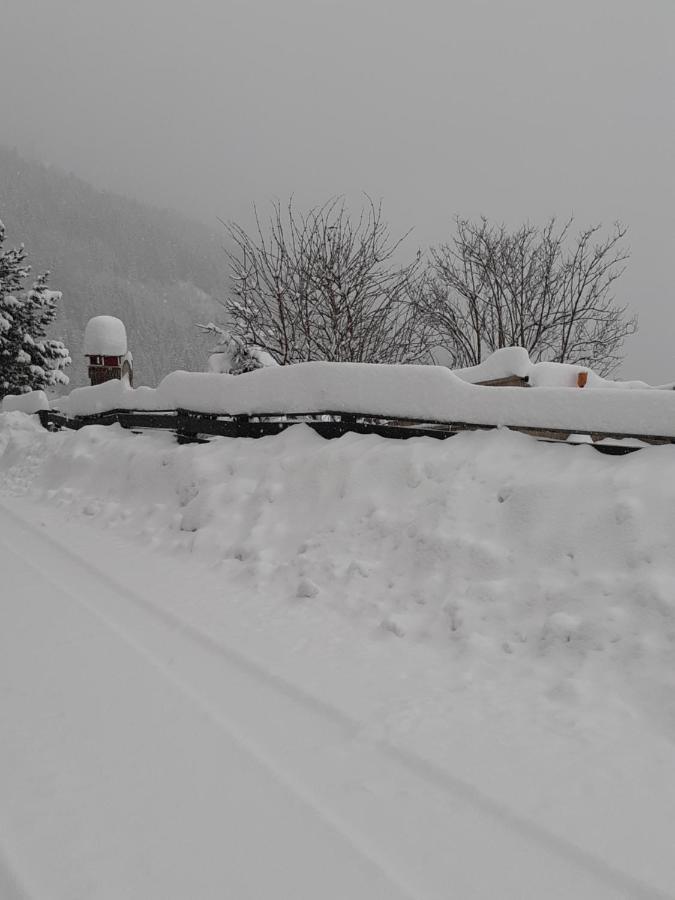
(552, 564)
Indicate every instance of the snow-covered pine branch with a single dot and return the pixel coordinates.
(29, 360)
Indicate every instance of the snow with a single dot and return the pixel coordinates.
(548, 374)
(263, 357)
(429, 393)
(350, 668)
(221, 361)
(172, 770)
(30, 402)
(232, 355)
(501, 364)
(113, 394)
(515, 361)
(46, 296)
(105, 336)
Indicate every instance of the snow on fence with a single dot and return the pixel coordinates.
(399, 401)
(30, 402)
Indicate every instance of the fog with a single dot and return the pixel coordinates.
(515, 110)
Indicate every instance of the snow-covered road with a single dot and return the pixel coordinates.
(144, 758)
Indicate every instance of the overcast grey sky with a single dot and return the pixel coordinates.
(515, 110)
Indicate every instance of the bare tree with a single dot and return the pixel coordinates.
(534, 288)
(319, 286)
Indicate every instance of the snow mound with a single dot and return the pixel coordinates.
(113, 394)
(501, 364)
(31, 402)
(546, 563)
(105, 336)
(515, 361)
(550, 374)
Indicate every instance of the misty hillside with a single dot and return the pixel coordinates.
(156, 270)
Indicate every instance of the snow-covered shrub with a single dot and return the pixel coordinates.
(232, 356)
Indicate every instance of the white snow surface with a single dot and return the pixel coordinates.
(105, 336)
(113, 394)
(456, 660)
(500, 364)
(549, 374)
(429, 393)
(30, 402)
(511, 361)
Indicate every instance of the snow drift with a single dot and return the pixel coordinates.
(491, 545)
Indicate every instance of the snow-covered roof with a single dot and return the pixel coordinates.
(105, 336)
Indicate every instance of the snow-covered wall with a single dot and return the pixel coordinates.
(430, 393)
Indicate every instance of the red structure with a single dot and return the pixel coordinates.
(105, 346)
(105, 368)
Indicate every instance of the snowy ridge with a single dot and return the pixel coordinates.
(427, 393)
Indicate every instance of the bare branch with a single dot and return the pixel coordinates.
(490, 288)
(320, 285)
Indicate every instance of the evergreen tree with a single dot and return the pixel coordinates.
(28, 359)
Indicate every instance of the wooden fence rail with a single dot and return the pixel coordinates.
(196, 427)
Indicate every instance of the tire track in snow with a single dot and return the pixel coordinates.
(613, 879)
(342, 831)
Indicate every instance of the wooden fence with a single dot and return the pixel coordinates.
(195, 427)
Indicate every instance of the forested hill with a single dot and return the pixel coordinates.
(156, 270)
